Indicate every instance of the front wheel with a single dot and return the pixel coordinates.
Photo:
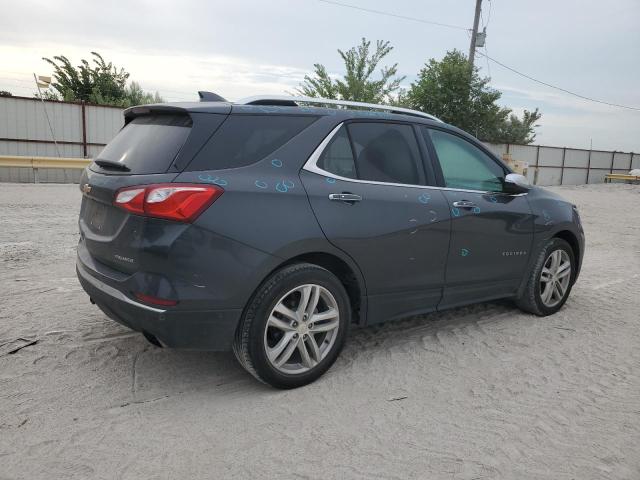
(294, 327)
(550, 280)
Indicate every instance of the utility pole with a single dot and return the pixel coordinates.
(474, 33)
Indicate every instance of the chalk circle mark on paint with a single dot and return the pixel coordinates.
(493, 199)
(276, 162)
(284, 186)
(261, 184)
(455, 212)
(464, 252)
(215, 180)
(476, 210)
(424, 198)
(330, 180)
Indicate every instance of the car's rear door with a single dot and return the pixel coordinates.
(491, 231)
(368, 189)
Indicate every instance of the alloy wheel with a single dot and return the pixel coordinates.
(555, 278)
(301, 329)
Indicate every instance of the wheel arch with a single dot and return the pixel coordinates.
(347, 274)
(569, 237)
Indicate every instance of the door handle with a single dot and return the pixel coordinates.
(345, 197)
(464, 204)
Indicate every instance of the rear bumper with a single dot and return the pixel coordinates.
(194, 330)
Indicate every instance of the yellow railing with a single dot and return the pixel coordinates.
(43, 162)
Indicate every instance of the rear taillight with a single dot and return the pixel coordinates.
(173, 201)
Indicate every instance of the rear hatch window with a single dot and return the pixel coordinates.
(245, 139)
(146, 145)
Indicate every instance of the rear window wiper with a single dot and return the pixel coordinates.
(113, 165)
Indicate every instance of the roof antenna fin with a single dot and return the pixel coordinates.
(210, 97)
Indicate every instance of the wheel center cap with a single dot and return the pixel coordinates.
(302, 328)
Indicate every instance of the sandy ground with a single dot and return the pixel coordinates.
(490, 392)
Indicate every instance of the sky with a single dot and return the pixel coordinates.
(247, 47)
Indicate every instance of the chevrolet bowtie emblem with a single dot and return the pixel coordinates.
(86, 188)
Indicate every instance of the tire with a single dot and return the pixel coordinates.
(263, 332)
(532, 299)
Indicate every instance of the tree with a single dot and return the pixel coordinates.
(357, 84)
(137, 96)
(448, 90)
(515, 130)
(4, 93)
(102, 83)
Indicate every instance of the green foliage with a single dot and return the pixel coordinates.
(520, 131)
(357, 84)
(137, 96)
(452, 91)
(4, 93)
(97, 82)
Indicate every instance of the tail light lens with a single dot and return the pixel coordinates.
(172, 201)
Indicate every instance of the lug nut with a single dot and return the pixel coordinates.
(294, 324)
(295, 335)
(310, 325)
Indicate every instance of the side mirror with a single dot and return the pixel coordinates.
(516, 183)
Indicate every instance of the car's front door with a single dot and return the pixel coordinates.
(366, 187)
(491, 231)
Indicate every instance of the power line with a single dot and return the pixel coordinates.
(583, 97)
(486, 57)
(488, 15)
(558, 88)
(389, 14)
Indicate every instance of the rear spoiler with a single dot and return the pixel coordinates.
(182, 108)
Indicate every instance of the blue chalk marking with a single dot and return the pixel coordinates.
(276, 162)
(464, 252)
(424, 198)
(284, 186)
(434, 215)
(269, 109)
(330, 180)
(476, 210)
(261, 184)
(455, 212)
(215, 180)
(493, 199)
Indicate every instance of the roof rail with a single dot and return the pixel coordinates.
(287, 101)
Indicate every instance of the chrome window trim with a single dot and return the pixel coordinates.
(312, 166)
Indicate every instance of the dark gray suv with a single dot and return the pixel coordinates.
(269, 226)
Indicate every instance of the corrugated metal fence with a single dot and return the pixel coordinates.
(81, 130)
(568, 166)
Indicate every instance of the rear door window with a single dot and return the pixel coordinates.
(246, 139)
(386, 152)
(149, 143)
(337, 158)
(375, 151)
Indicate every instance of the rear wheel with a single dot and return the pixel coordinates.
(294, 327)
(550, 280)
